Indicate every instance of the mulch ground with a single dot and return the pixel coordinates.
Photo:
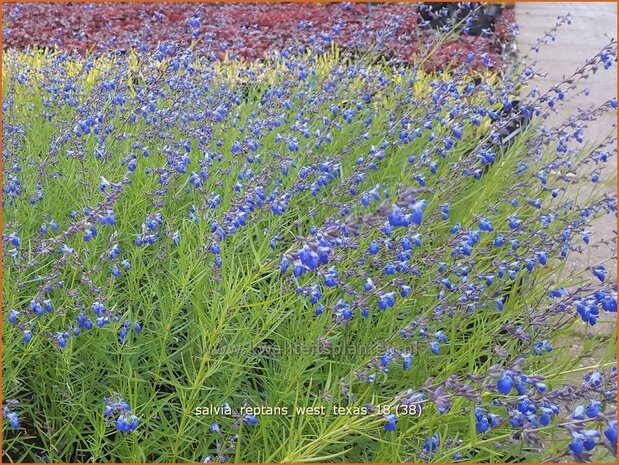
(246, 29)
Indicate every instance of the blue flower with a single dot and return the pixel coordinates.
(541, 387)
(365, 199)
(599, 272)
(391, 423)
(309, 258)
(482, 426)
(390, 269)
(109, 218)
(417, 212)
(126, 422)
(440, 335)
(589, 439)
(542, 257)
(405, 290)
(14, 238)
(298, 269)
(397, 217)
(385, 359)
(27, 336)
(194, 22)
(250, 420)
(284, 266)
(485, 225)
(505, 384)
(514, 222)
(13, 420)
(386, 300)
(577, 446)
(61, 341)
(431, 444)
(529, 264)
(407, 361)
(611, 432)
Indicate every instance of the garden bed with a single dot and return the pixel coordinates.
(248, 30)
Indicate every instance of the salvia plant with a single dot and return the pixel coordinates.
(324, 255)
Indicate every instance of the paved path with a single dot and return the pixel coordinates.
(593, 25)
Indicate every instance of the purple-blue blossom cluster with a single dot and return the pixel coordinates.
(118, 410)
(10, 414)
(531, 410)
